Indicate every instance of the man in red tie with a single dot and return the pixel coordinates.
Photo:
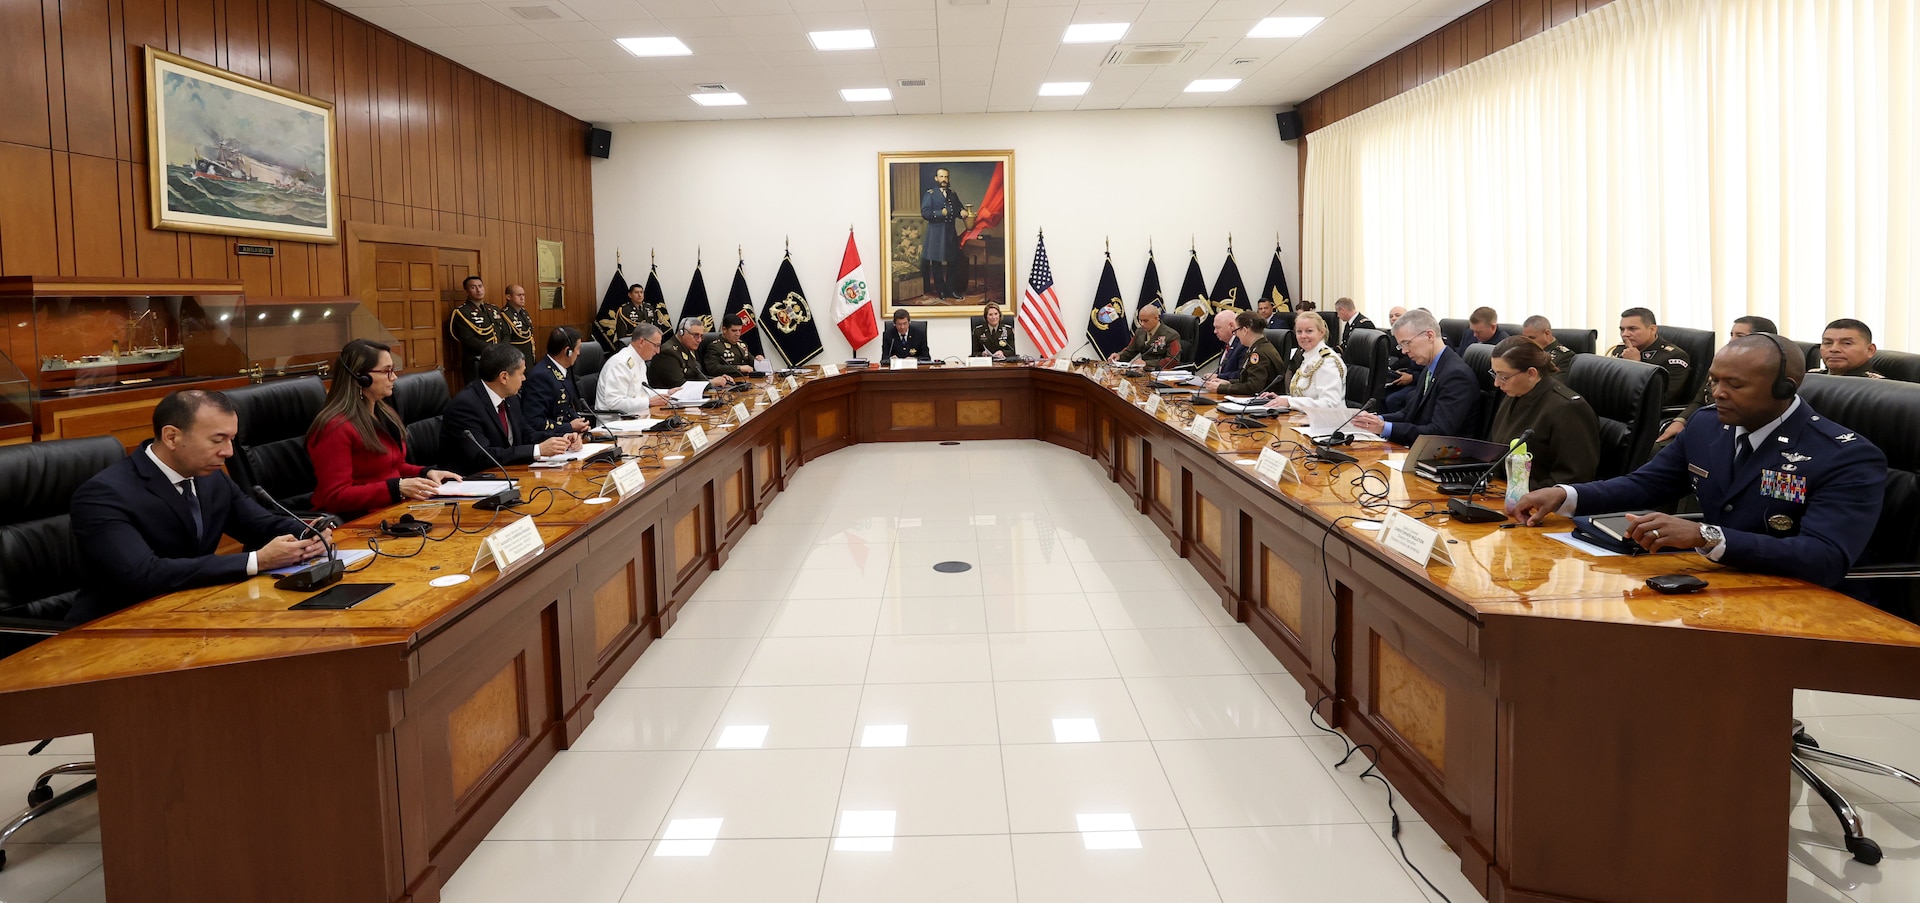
(483, 423)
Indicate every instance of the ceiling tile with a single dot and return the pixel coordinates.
(836, 20)
(1160, 32)
(557, 32)
(890, 39)
(1037, 24)
(892, 19)
(533, 50)
(400, 17)
(1242, 9)
(778, 43)
(1220, 29)
(680, 9)
(440, 39)
(787, 24)
(900, 4)
(753, 7)
(471, 14)
(583, 80)
(500, 34)
(596, 10)
(820, 6)
(700, 26)
(1108, 12)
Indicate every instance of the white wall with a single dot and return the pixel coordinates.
(1169, 176)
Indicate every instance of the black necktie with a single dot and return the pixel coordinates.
(1742, 449)
(193, 506)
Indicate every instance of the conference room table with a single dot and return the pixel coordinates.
(1572, 734)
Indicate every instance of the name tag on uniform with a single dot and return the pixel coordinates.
(1697, 471)
(1787, 487)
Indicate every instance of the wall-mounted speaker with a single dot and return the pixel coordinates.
(599, 143)
(1291, 127)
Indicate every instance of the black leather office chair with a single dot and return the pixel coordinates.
(1699, 345)
(589, 389)
(1899, 365)
(1286, 320)
(1579, 341)
(1366, 357)
(1812, 352)
(1188, 327)
(271, 449)
(592, 358)
(1283, 342)
(1479, 358)
(420, 398)
(40, 572)
(1626, 396)
(1887, 413)
(1452, 329)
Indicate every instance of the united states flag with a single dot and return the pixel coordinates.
(1040, 306)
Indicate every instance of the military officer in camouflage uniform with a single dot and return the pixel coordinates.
(475, 324)
(1640, 341)
(550, 399)
(1539, 330)
(1263, 362)
(1154, 343)
(679, 358)
(1846, 347)
(727, 354)
(992, 338)
(518, 323)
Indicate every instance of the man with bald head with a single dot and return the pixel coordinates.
(1154, 343)
(1783, 489)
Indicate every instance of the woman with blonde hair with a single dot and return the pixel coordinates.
(1320, 375)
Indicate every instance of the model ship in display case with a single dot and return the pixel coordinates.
(143, 350)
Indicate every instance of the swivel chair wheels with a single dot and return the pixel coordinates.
(3, 860)
(1864, 850)
(39, 794)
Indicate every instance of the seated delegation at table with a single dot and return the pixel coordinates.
(151, 523)
(358, 444)
(624, 385)
(484, 425)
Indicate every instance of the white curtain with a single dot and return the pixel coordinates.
(1706, 159)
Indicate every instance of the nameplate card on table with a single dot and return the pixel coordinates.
(979, 362)
(512, 543)
(793, 383)
(773, 392)
(1153, 403)
(1062, 364)
(1125, 389)
(1420, 543)
(829, 369)
(905, 363)
(696, 437)
(1201, 427)
(740, 412)
(1272, 465)
(627, 478)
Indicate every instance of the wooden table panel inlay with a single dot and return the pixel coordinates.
(614, 608)
(1206, 524)
(826, 423)
(736, 495)
(1066, 418)
(977, 412)
(1411, 701)
(1280, 590)
(484, 728)
(686, 540)
(911, 415)
(1162, 486)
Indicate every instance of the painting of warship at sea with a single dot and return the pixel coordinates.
(237, 156)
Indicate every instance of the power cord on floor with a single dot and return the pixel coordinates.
(1373, 765)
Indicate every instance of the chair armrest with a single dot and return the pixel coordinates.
(30, 627)
(1885, 572)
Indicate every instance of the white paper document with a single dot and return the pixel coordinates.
(471, 489)
(582, 453)
(630, 426)
(1322, 422)
(692, 391)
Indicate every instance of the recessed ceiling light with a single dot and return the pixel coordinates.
(1211, 85)
(1285, 26)
(856, 39)
(667, 46)
(855, 95)
(1094, 32)
(729, 99)
(1064, 89)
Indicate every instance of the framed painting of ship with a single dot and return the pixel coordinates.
(236, 156)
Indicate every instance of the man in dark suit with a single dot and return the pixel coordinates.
(489, 410)
(149, 525)
(1483, 328)
(1443, 393)
(551, 397)
(1350, 319)
(1784, 490)
(905, 339)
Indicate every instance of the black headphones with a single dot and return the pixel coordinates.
(1783, 388)
(407, 525)
(364, 379)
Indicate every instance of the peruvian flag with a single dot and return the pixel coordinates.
(852, 311)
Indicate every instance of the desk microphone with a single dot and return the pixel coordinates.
(505, 498)
(324, 572)
(1465, 510)
(1339, 438)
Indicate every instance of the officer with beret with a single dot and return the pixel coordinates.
(1783, 489)
(1640, 341)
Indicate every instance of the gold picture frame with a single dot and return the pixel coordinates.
(981, 264)
(232, 155)
(552, 258)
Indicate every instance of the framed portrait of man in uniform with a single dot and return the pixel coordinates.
(948, 221)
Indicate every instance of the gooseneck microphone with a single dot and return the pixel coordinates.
(505, 498)
(1465, 510)
(324, 572)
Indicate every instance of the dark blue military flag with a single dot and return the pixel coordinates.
(739, 309)
(603, 319)
(1107, 326)
(655, 298)
(1195, 301)
(1150, 286)
(788, 319)
(697, 304)
(1276, 288)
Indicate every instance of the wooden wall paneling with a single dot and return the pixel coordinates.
(24, 70)
(1476, 26)
(446, 173)
(1561, 11)
(354, 110)
(63, 212)
(196, 31)
(27, 215)
(87, 76)
(415, 99)
(157, 253)
(1453, 47)
(56, 74)
(466, 141)
(283, 64)
(389, 72)
(242, 38)
(96, 215)
(1530, 18)
(1499, 25)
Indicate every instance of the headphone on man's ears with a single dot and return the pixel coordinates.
(1783, 388)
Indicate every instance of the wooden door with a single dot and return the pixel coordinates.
(406, 298)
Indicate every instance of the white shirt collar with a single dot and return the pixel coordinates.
(558, 366)
(173, 476)
(1760, 435)
(495, 400)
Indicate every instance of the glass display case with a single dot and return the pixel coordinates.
(16, 403)
(80, 337)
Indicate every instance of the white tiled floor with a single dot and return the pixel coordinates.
(1074, 719)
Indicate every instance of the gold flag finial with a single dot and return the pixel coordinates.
(616, 258)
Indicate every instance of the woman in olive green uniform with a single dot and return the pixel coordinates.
(1263, 360)
(992, 338)
(1566, 434)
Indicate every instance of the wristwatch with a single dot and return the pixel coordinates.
(1711, 536)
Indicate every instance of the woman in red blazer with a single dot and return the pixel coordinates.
(357, 442)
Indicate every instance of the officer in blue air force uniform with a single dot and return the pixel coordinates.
(1802, 502)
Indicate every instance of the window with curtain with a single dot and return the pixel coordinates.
(1707, 159)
